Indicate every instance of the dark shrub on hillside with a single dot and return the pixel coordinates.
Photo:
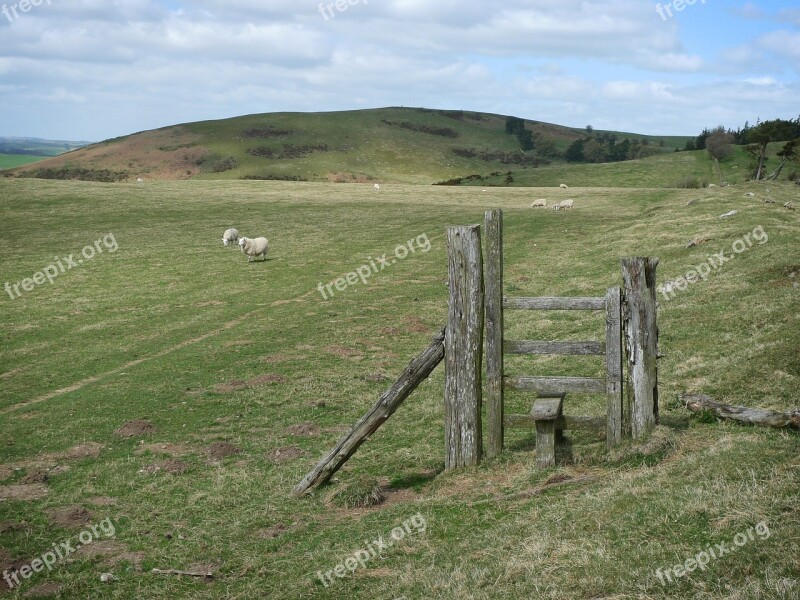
(65, 173)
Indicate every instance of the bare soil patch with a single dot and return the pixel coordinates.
(220, 450)
(285, 454)
(135, 428)
(70, 516)
(36, 476)
(273, 532)
(6, 473)
(415, 325)
(102, 501)
(304, 430)
(345, 352)
(34, 491)
(112, 552)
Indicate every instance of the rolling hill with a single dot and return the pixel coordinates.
(398, 145)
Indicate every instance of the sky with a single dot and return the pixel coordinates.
(96, 69)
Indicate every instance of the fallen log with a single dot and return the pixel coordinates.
(742, 414)
(415, 373)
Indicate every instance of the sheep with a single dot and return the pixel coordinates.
(750, 195)
(769, 201)
(565, 204)
(564, 186)
(254, 247)
(377, 187)
(557, 206)
(140, 180)
(540, 203)
(789, 205)
(711, 185)
(230, 236)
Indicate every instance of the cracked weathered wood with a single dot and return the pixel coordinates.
(554, 303)
(742, 414)
(493, 235)
(613, 348)
(463, 392)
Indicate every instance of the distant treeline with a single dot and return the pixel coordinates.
(777, 130)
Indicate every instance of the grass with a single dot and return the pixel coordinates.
(175, 329)
(11, 161)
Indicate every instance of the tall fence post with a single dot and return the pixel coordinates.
(493, 234)
(614, 385)
(641, 341)
(464, 348)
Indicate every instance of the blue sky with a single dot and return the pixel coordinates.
(95, 69)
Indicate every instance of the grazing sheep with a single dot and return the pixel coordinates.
(557, 206)
(140, 180)
(711, 185)
(769, 201)
(564, 186)
(565, 204)
(540, 203)
(377, 187)
(231, 236)
(254, 247)
(789, 205)
(750, 195)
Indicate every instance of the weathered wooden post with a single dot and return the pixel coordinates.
(614, 385)
(641, 341)
(493, 234)
(464, 348)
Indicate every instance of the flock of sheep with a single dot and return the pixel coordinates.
(252, 247)
(563, 205)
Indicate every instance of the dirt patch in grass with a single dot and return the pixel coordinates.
(43, 590)
(172, 465)
(345, 352)
(304, 430)
(273, 532)
(227, 388)
(135, 428)
(415, 325)
(10, 526)
(34, 491)
(285, 454)
(112, 553)
(7, 563)
(393, 331)
(221, 450)
(376, 378)
(87, 450)
(36, 476)
(6, 473)
(70, 516)
(168, 449)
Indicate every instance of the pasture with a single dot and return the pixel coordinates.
(238, 377)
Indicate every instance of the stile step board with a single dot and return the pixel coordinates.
(547, 409)
(585, 385)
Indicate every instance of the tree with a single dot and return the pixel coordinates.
(719, 145)
(595, 151)
(525, 138)
(575, 151)
(791, 151)
(589, 130)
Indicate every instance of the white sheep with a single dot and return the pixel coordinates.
(564, 186)
(140, 180)
(230, 236)
(750, 195)
(564, 204)
(254, 247)
(377, 187)
(540, 203)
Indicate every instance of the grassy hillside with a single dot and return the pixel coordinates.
(246, 376)
(407, 145)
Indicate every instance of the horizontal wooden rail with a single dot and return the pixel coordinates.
(554, 303)
(562, 348)
(585, 385)
(597, 424)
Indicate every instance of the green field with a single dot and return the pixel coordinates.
(248, 377)
(11, 161)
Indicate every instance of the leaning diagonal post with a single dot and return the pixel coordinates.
(415, 373)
